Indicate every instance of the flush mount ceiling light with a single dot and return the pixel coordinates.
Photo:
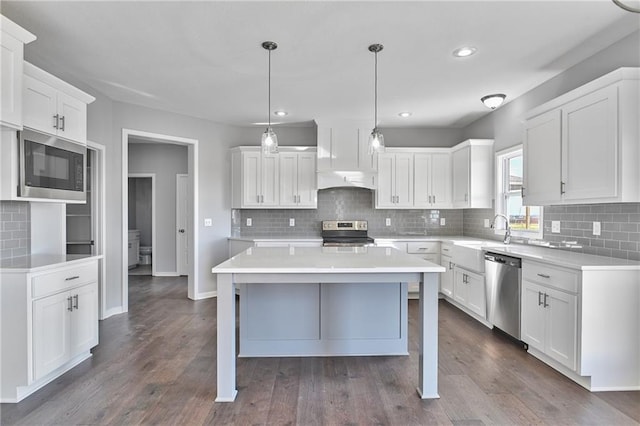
(281, 113)
(269, 139)
(404, 114)
(464, 51)
(626, 5)
(493, 101)
(376, 140)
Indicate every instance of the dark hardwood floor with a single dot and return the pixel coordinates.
(156, 365)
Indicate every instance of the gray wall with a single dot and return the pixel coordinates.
(166, 161)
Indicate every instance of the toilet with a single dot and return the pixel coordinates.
(145, 255)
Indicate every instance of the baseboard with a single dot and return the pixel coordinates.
(166, 274)
(111, 312)
(206, 295)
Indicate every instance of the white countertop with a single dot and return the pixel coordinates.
(37, 262)
(267, 239)
(316, 260)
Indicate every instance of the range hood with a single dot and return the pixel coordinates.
(337, 178)
(343, 157)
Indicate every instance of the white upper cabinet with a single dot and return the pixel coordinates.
(432, 186)
(542, 160)
(472, 170)
(256, 176)
(584, 146)
(283, 180)
(52, 106)
(298, 180)
(395, 180)
(12, 40)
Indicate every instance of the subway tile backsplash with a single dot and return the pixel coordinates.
(345, 204)
(620, 235)
(15, 225)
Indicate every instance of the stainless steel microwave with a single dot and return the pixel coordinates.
(51, 167)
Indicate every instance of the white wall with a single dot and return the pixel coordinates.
(166, 161)
(505, 124)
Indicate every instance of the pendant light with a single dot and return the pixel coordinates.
(269, 139)
(376, 140)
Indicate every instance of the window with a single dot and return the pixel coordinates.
(525, 221)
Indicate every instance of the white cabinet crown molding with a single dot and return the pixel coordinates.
(61, 85)
(15, 30)
(624, 73)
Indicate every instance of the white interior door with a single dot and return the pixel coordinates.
(182, 242)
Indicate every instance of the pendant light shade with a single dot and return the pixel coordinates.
(376, 140)
(269, 141)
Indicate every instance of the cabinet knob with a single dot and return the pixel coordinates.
(181, 230)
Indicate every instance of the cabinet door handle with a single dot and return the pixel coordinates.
(539, 298)
(62, 121)
(69, 304)
(466, 197)
(544, 276)
(545, 300)
(522, 191)
(75, 301)
(129, 245)
(298, 199)
(262, 198)
(55, 121)
(258, 199)
(562, 187)
(75, 277)
(434, 199)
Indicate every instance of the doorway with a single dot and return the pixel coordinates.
(142, 224)
(136, 136)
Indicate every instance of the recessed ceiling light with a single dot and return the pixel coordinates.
(280, 113)
(404, 114)
(464, 51)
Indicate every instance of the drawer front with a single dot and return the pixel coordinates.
(552, 276)
(434, 258)
(423, 247)
(62, 279)
(447, 249)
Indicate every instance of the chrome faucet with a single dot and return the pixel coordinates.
(507, 234)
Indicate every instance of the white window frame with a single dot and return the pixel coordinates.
(501, 183)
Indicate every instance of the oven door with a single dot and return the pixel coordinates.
(51, 168)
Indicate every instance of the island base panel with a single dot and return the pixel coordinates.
(323, 319)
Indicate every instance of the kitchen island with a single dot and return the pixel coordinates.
(336, 274)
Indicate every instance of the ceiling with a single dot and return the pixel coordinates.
(204, 59)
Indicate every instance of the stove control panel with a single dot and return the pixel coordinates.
(344, 225)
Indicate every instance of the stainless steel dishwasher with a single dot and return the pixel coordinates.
(503, 285)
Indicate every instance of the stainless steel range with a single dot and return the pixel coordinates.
(345, 233)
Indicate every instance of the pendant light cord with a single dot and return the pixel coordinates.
(269, 106)
(375, 91)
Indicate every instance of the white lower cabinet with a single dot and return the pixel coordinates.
(550, 313)
(468, 291)
(446, 279)
(59, 308)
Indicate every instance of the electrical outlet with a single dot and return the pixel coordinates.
(487, 223)
(387, 221)
(555, 226)
(292, 222)
(249, 222)
(596, 228)
(208, 221)
(443, 221)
